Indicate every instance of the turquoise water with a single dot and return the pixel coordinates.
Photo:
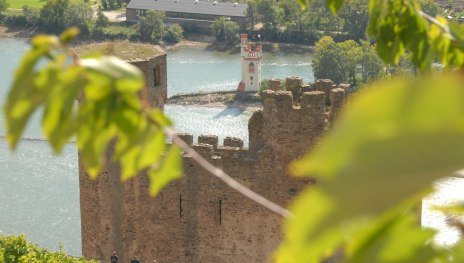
(192, 70)
(39, 193)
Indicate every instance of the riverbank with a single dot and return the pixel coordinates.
(249, 101)
(17, 32)
(190, 41)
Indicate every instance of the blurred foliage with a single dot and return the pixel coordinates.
(110, 112)
(393, 141)
(385, 150)
(16, 249)
(373, 166)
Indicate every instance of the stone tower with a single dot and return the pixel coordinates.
(151, 60)
(104, 225)
(251, 65)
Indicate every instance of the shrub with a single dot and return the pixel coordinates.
(15, 20)
(225, 30)
(17, 249)
(102, 20)
(174, 33)
(32, 15)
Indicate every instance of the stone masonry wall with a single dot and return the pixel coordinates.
(199, 218)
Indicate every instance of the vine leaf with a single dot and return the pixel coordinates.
(171, 170)
(109, 118)
(334, 5)
(392, 142)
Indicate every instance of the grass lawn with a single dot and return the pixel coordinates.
(18, 4)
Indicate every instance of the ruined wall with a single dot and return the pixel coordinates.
(106, 204)
(199, 218)
(155, 71)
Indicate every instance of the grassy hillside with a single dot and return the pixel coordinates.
(18, 4)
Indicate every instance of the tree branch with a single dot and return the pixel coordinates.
(432, 20)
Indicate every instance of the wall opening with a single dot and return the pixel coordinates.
(220, 211)
(180, 207)
(157, 75)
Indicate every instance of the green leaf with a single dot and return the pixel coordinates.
(60, 114)
(390, 144)
(334, 5)
(456, 209)
(29, 90)
(138, 151)
(114, 67)
(69, 35)
(159, 117)
(170, 169)
(396, 236)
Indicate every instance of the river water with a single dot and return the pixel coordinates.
(39, 193)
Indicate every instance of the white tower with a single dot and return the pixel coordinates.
(251, 65)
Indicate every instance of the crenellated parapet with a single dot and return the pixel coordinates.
(198, 218)
(289, 124)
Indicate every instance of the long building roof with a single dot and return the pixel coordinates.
(192, 7)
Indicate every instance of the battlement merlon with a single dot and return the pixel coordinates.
(243, 40)
(247, 50)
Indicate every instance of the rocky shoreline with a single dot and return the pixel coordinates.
(249, 101)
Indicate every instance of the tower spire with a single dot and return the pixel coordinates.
(251, 65)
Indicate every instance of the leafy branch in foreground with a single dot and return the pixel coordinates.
(110, 112)
(399, 27)
(109, 109)
(387, 148)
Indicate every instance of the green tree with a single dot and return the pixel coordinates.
(355, 16)
(252, 13)
(301, 29)
(371, 65)
(151, 26)
(52, 16)
(225, 30)
(174, 33)
(102, 20)
(272, 16)
(79, 14)
(324, 20)
(380, 158)
(327, 61)
(291, 10)
(350, 56)
(32, 15)
(431, 7)
(15, 249)
(104, 4)
(3, 6)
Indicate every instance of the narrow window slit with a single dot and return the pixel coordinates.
(220, 211)
(180, 206)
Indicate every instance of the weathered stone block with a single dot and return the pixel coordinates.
(313, 100)
(275, 84)
(233, 142)
(294, 85)
(209, 139)
(337, 98)
(205, 150)
(186, 137)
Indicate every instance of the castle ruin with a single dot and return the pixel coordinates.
(199, 218)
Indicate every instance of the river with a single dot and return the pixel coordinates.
(39, 194)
